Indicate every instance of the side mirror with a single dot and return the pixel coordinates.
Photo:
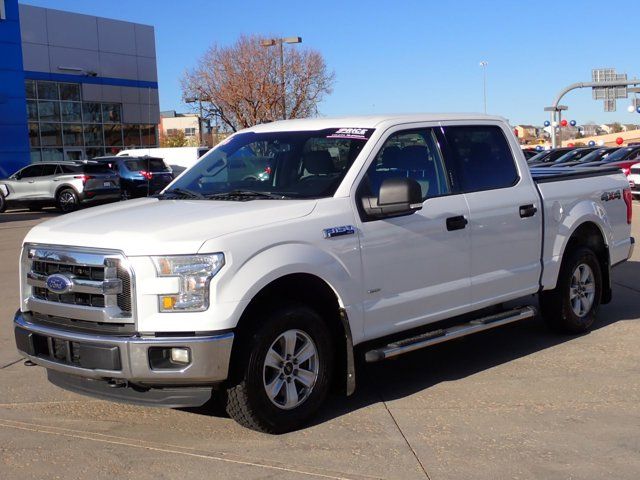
(397, 197)
(15, 176)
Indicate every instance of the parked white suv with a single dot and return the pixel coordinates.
(368, 236)
(66, 185)
(634, 180)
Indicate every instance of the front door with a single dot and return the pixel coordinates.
(416, 267)
(71, 154)
(24, 186)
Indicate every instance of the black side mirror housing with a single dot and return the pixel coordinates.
(397, 197)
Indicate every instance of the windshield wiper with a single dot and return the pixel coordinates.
(181, 192)
(241, 195)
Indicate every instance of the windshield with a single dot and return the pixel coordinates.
(597, 155)
(538, 157)
(148, 164)
(620, 154)
(277, 164)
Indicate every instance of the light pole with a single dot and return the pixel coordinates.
(483, 65)
(199, 100)
(283, 87)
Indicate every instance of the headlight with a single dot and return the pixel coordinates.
(195, 273)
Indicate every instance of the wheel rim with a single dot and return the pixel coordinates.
(582, 291)
(290, 369)
(67, 201)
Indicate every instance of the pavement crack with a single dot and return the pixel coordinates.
(12, 363)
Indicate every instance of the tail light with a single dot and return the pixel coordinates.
(145, 174)
(84, 178)
(628, 199)
(267, 170)
(626, 170)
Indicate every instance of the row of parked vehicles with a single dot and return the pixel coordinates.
(626, 159)
(68, 185)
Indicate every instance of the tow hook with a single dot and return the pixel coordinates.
(117, 383)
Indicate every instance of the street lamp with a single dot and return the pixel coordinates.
(483, 65)
(281, 41)
(199, 100)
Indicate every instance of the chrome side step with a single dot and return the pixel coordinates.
(442, 335)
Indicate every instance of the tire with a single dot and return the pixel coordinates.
(572, 306)
(294, 396)
(3, 203)
(67, 200)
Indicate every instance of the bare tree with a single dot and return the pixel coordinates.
(240, 85)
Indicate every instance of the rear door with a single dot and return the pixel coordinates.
(44, 183)
(505, 219)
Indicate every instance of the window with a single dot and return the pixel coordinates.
(52, 155)
(48, 169)
(31, 171)
(91, 113)
(30, 88)
(93, 135)
(113, 135)
(149, 164)
(481, 157)
(34, 136)
(111, 113)
(50, 134)
(131, 135)
(72, 135)
(48, 91)
(172, 131)
(32, 110)
(71, 111)
(189, 132)
(49, 111)
(411, 154)
(70, 91)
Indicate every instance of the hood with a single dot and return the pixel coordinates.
(150, 226)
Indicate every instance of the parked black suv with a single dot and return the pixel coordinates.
(139, 176)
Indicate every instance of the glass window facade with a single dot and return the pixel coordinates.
(59, 121)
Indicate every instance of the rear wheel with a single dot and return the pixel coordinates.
(571, 307)
(67, 200)
(287, 375)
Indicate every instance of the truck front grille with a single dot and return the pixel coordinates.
(78, 284)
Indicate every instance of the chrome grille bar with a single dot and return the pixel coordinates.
(98, 284)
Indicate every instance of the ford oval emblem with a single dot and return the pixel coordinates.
(57, 283)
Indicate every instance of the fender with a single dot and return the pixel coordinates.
(64, 186)
(4, 190)
(561, 226)
(242, 282)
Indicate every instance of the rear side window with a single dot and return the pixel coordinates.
(48, 169)
(481, 157)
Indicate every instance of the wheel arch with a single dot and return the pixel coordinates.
(64, 186)
(307, 289)
(590, 234)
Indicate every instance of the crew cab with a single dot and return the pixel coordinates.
(367, 237)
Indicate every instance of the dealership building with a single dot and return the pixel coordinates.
(73, 86)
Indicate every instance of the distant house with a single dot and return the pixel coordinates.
(527, 132)
(590, 130)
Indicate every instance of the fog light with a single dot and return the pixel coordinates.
(180, 355)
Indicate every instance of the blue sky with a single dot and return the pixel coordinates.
(409, 56)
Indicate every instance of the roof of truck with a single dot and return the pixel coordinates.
(367, 121)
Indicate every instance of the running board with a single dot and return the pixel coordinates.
(442, 335)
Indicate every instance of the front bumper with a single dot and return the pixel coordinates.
(123, 360)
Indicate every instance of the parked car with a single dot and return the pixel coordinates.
(595, 156)
(548, 156)
(623, 159)
(258, 291)
(139, 176)
(178, 158)
(634, 180)
(571, 157)
(67, 185)
(529, 153)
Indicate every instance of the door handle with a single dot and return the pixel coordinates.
(31, 181)
(456, 223)
(527, 211)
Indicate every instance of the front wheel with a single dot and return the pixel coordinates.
(3, 203)
(287, 375)
(571, 307)
(67, 201)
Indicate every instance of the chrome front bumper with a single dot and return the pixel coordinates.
(122, 358)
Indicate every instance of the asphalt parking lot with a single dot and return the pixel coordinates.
(516, 402)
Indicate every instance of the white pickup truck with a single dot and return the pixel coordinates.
(362, 237)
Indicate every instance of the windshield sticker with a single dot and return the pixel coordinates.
(352, 133)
